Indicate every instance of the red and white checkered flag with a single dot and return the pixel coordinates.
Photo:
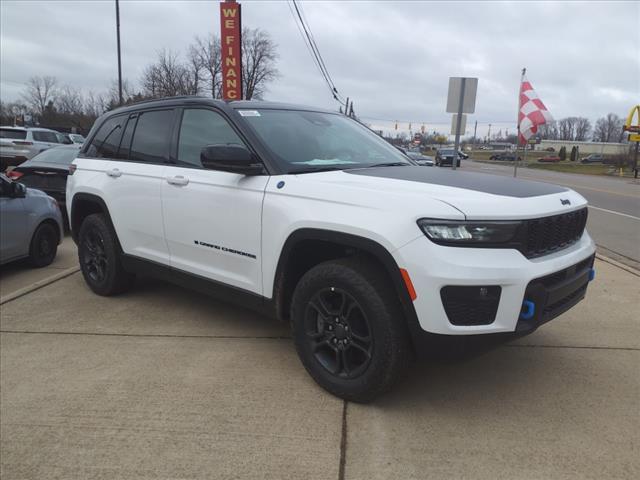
(532, 112)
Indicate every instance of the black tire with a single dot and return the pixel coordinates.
(44, 245)
(99, 256)
(360, 308)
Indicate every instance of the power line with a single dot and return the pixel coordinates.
(317, 50)
(307, 37)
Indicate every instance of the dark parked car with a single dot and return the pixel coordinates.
(48, 172)
(593, 158)
(550, 159)
(445, 156)
(504, 157)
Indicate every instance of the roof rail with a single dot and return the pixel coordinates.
(178, 97)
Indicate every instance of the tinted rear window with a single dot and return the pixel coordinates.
(151, 136)
(49, 137)
(56, 155)
(13, 134)
(106, 141)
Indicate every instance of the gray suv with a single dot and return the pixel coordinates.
(30, 224)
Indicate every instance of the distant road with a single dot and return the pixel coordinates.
(614, 206)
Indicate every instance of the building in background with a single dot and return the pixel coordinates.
(585, 148)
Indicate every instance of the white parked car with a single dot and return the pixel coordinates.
(18, 144)
(310, 217)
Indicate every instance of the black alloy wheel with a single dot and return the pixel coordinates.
(338, 333)
(94, 258)
(100, 258)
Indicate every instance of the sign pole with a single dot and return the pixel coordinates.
(515, 160)
(458, 125)
(231, 50)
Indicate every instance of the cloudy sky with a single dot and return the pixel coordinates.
(393, 58)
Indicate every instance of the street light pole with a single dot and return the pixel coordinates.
(119, 57)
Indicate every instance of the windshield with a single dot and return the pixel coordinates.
(308, 141)
(446, 152)
(76, 138)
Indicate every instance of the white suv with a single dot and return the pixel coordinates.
(19, 144)
(309, 216)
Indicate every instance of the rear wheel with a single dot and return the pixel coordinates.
(349, 330)
(99, 257)
(44, 245)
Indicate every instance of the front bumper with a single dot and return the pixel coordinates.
(432, 267)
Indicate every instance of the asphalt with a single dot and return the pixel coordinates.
(165, 383)
(614, 206)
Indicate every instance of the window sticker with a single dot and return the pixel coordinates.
(249, 113)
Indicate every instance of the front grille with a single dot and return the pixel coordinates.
(548, 234)
(467, 306)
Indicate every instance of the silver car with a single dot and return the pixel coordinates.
(18, 144)
(30, 224)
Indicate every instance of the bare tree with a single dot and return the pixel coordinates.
(259, 55)
(94, 105)
(549, 131)
(39, 91)
(608, 129)
(167, 77)
(567, 128)
(206, 52)
(69, 101)
(583, 129)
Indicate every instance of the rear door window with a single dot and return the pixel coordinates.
(106, 141)
(151, 136)
(125, 144)
(49, 137)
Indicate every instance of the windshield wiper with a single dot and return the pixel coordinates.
(316, 169)
(390, 164)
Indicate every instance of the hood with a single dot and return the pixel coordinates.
(476, 195)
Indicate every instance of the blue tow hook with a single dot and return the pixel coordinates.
(592, 274)
(529, 310)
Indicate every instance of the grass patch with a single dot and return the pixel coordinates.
(596, 169)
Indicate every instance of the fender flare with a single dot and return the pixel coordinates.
(364, 244)
(92, 198)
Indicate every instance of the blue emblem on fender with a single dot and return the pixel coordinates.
(280, 184)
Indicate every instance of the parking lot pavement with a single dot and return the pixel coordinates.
(166, 383)
(17, 275)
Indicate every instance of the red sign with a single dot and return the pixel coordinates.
(230, 28)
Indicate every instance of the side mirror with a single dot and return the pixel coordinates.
(231, 158)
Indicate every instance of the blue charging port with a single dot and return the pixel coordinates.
(592, 274)
(529, 310)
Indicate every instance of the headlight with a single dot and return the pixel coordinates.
(447, 232)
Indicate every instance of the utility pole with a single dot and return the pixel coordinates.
(119, 57)
(475, 130)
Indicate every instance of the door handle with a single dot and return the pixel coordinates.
(115, 173)
(179, 181)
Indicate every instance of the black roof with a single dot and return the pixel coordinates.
(199, 100)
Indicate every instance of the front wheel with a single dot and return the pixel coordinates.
(99, 257)
(349, 330)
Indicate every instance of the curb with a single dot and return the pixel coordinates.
(615, 263)
(38, 285)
